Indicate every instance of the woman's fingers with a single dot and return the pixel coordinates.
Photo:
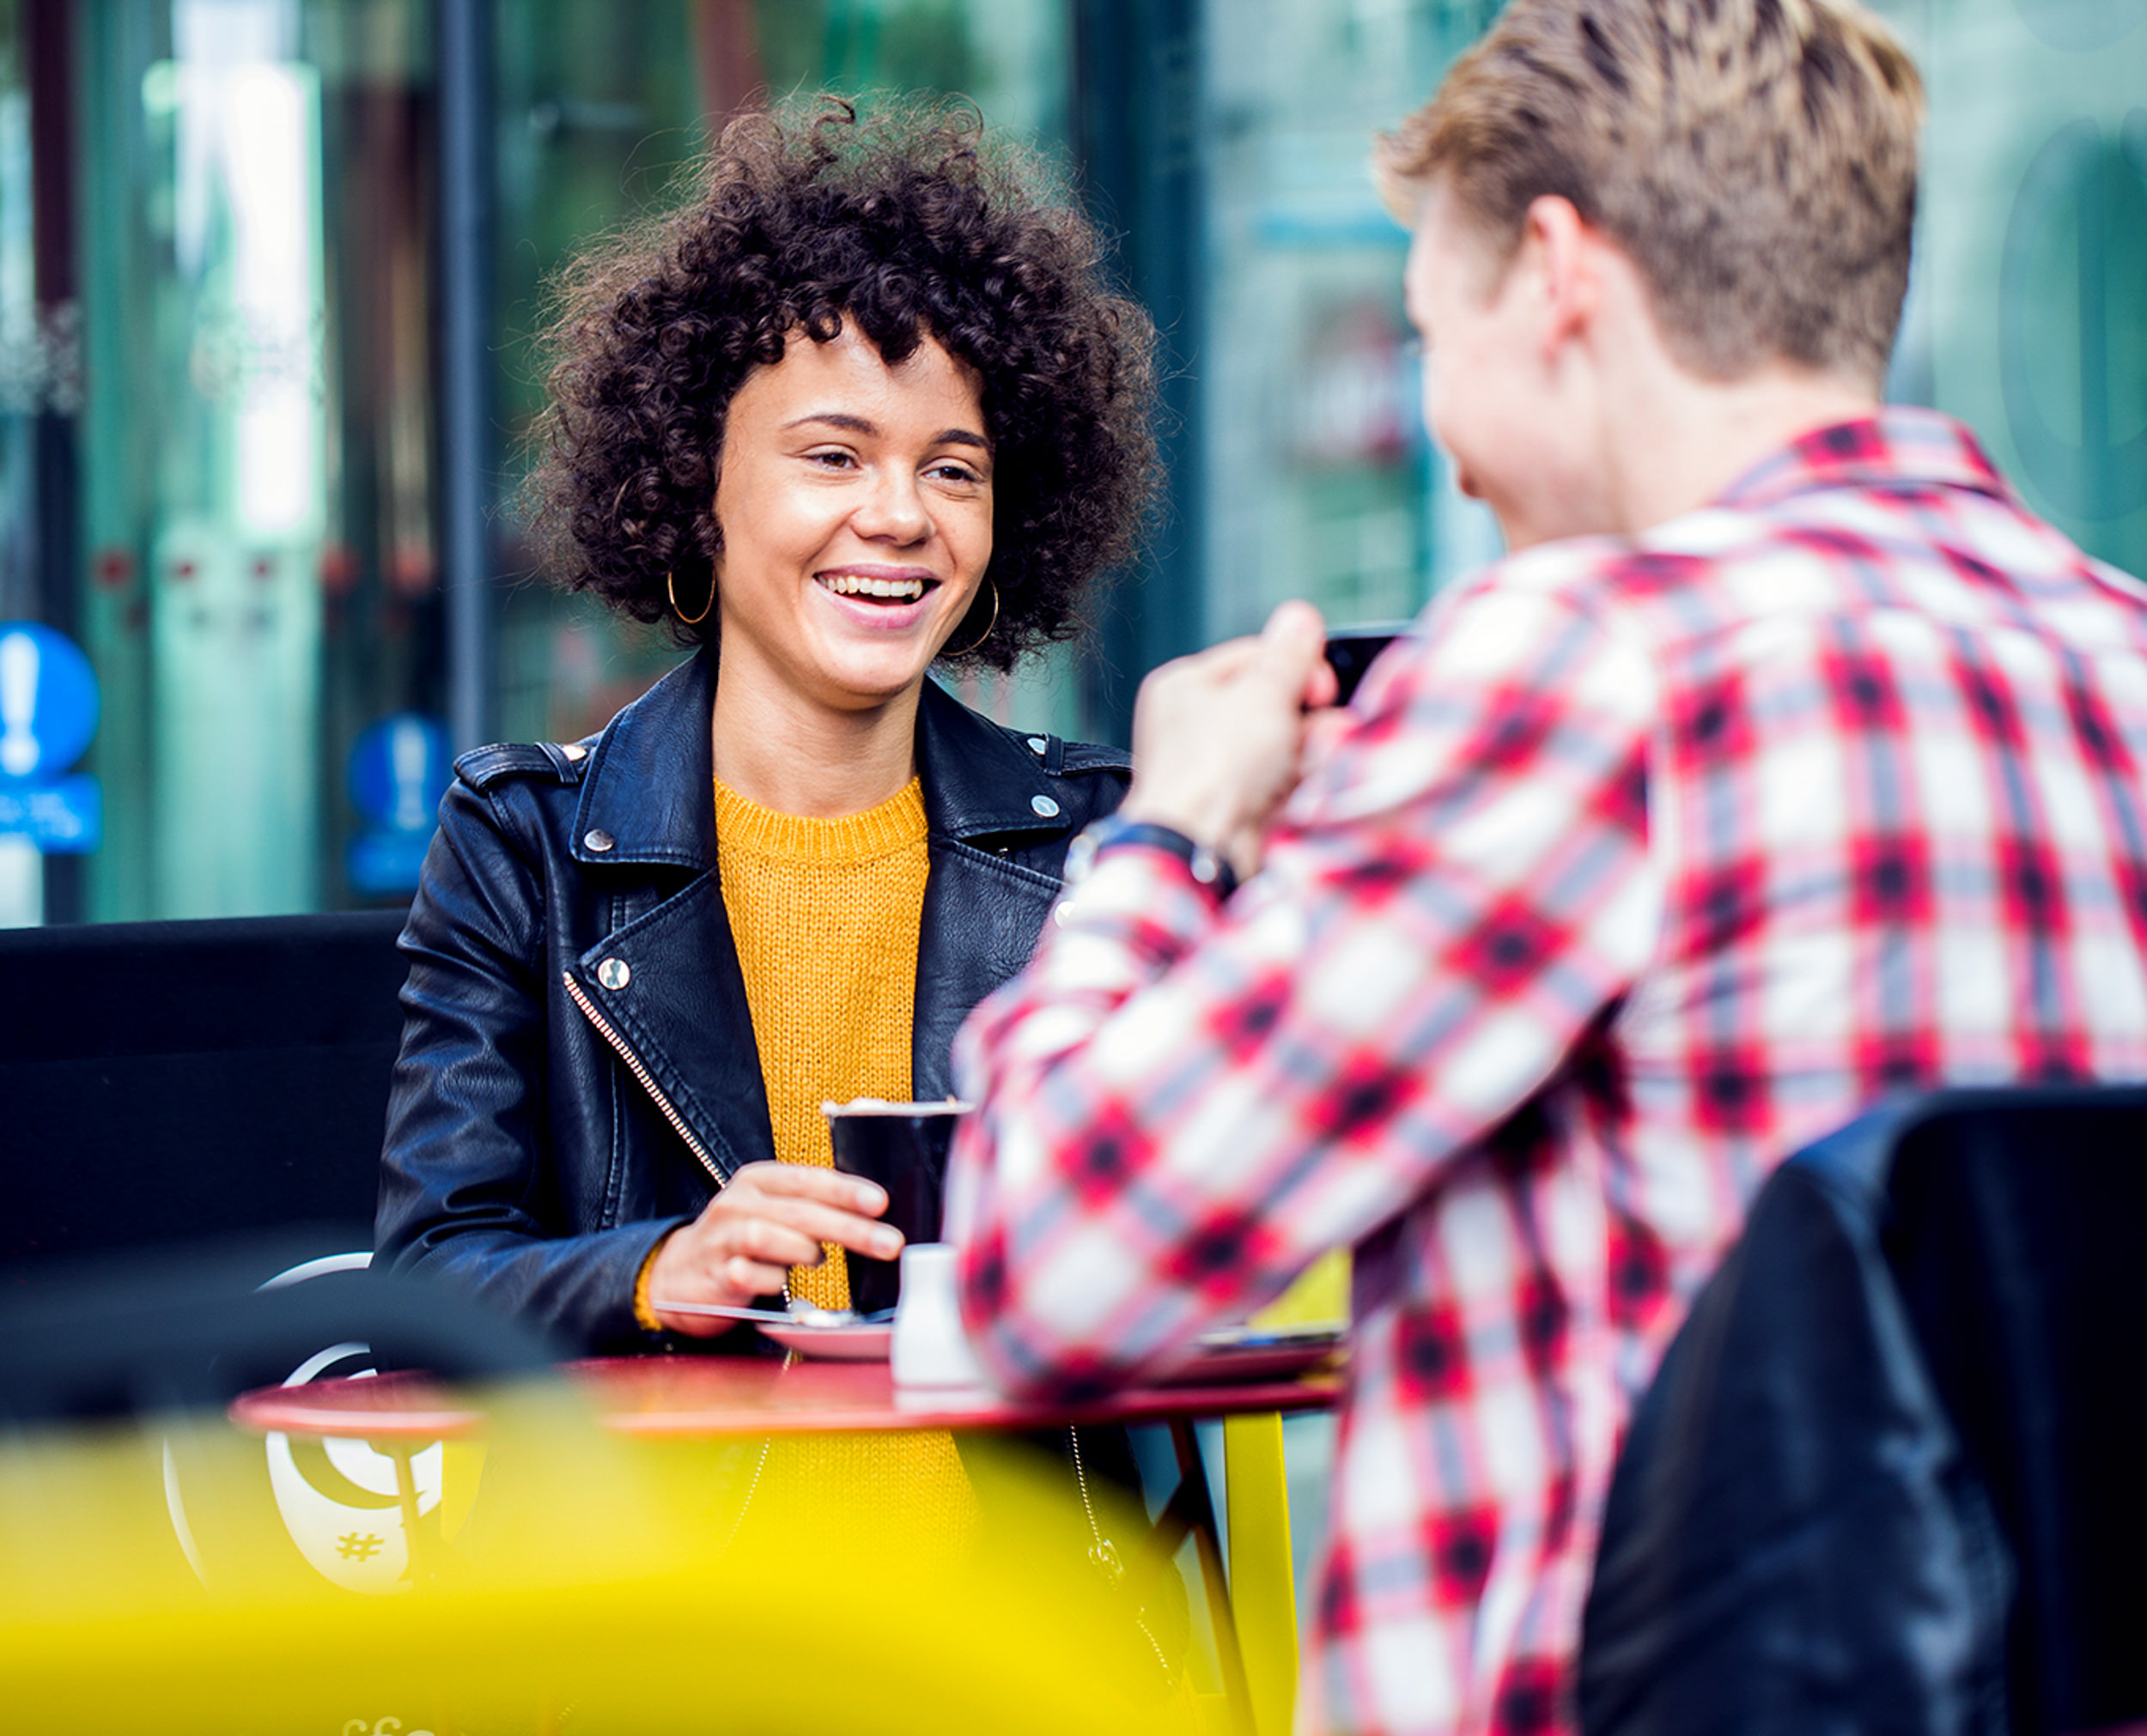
(829, 1207)
(753, 1277)
(730, 1281)
(739, 1236)
(807, 1182)
(728, 1266)
(771, 1217)
(729, 1258)
(844, 1229)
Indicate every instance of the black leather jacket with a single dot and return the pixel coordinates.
(578, 1073)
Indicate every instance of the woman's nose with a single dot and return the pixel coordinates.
(893, 509)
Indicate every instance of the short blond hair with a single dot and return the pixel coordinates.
(1755, 159)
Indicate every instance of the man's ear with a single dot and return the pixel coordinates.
(1564, 256)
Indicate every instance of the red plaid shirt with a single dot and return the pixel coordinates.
(1644, 864)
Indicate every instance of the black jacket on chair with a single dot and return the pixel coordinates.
(1888, 1479)
(578, 1073)
(1794, 1542)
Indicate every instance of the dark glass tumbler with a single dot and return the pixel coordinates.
(902, 1147)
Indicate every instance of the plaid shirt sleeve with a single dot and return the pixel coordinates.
(1182, 1105)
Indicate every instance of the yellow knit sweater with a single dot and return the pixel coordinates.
(826, 915)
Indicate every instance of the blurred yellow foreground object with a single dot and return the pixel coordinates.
(596, 1585)
(1263, 1593)
(1263, 1590)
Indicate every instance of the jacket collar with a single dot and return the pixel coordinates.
(650, 784)
(978, 782)
(651, 781)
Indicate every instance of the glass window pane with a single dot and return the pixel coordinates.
(1319, 481)
(23, 391)
(257, 435)
(2027, 313)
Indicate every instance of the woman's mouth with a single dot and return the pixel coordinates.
(895, 591)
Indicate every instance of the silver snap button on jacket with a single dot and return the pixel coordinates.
(599, 840)
(614, 974)
(1045, 806)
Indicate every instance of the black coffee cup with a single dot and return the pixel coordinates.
(1352, 651)
(902, 1147)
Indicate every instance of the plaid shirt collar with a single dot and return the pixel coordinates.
(1902, 444)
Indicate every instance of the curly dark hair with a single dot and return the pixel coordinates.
(907, 225)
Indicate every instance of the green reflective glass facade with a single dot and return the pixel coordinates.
(211, 394)
(24, 389)
(2028, 311)
(1320, 481)
(222, 464)
(259, 571)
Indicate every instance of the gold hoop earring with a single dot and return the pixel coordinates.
(671, 590)
(988, 625)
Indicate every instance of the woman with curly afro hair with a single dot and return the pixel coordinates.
(864, 404)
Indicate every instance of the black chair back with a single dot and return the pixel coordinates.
(1887, 1477)
(164, 1081)
(2017, 1234)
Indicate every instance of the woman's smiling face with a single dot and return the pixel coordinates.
(855, 502)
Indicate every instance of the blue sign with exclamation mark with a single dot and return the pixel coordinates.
(48, 712)
(399, 769)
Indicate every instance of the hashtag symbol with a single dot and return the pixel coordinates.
(351, 1546)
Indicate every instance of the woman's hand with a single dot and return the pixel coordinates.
(770, 1217)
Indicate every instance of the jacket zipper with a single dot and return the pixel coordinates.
(647, 1083)
(678, 1123)
(1102, 1554)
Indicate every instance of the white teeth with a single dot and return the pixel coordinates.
(854, 585)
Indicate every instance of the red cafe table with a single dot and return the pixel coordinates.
(704, 1397)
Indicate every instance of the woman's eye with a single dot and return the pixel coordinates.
(955, 473)
(836, 460)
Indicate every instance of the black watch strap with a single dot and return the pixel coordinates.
(1209, 866)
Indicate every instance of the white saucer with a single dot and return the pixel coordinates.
(840, 1343)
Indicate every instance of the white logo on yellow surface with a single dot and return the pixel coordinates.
(339, 1499)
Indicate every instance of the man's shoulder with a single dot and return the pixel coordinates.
(1767, 576)
(1610, 580)
(1720, 566)
(1710, 538)
(1663, 598)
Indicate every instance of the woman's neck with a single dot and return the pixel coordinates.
(776, 747)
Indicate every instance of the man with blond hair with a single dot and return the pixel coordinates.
(1784, 761)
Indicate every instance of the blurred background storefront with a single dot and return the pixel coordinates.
(271, 272)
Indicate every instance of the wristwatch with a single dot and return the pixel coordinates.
(1207, 865)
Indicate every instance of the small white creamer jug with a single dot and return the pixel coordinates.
(930, 1347)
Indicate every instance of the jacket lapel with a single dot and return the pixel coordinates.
(982, 912)
(981, 918)
(650, 787)
(680, 1005)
